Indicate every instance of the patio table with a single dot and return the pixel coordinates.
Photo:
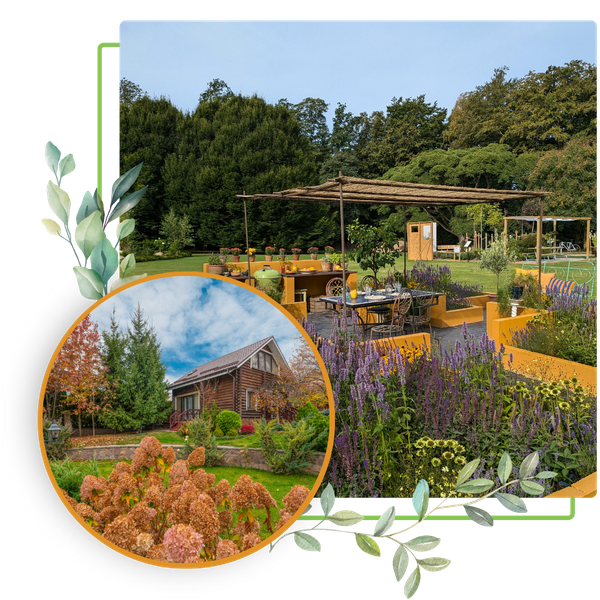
(383, 298)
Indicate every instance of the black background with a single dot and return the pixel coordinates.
(516, 559)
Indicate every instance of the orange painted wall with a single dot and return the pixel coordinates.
(440, 317)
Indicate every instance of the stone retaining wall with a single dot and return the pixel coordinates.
(249, 458)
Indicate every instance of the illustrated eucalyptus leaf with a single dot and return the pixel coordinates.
(385, 521)
(67, 165)
(412, 583)
(117, 283)
(104, 259)
(89, 233)
(327, 499)
(545, 475)
(531, 487)
(89, 282)
(475, 486)
(400, 562)
(511, 502)
(481, 517)
(59, 202)
(124, 228)
(52, 227)
(126, 204)
(467, 471)
(88, 206)
(423, 543)
(121, 185)
(307, 542)
(504, 468)
(420, 499)
(345, 518)
(367, 544)
(528, 465)
(435, 563)
(52, 157)
(127, 265)
(99, 203)
(307, 509)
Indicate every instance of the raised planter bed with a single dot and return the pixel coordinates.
(232, 456)
(584, 488)
(533, 364)
(441, 317)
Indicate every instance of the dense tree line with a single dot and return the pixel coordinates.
(536, 131)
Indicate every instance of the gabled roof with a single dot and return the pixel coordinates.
(230, 361)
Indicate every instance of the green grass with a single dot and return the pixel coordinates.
(468, 272)
(248, 441)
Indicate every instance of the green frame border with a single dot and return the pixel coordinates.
(100, 47)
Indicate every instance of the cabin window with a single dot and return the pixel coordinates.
(187, 402)
(264, 361)
(251, 403)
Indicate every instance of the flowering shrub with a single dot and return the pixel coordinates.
(247, 429)
(329, 249)
(313, 250)
(387, 400)
(296, 250)
(173, 511)
(235, 251)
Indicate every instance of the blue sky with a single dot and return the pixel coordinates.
(362, 64)
(199, 319)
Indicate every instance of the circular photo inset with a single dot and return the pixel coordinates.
(186, 420)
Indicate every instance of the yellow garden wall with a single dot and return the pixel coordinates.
(440, 317)
(479, 300)
(418, 340)
(584, 488)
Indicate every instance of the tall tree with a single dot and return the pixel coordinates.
(311, 114)
(129, 92)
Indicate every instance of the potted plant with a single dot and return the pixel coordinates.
(336, 259)
(329, 250)
(215, 265)
(269, 251)
(236, 272)
(223, 255)
(326, 263)
(236, 254)
(313, 252)
(281, 254)
(296, 253)
(251, 253)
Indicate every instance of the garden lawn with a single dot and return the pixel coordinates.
(248, 441)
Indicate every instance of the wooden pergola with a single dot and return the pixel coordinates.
(374, 191)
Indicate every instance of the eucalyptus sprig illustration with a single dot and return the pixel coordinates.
(91, 221)
(420, 500)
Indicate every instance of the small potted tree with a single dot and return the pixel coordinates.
(497, 259)
(269, 251)
(313, 250)
(326, 263)
(296, 253)
(236, 254)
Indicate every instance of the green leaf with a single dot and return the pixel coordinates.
(117, 283)
(89, 233)
(88, 206)
(512, 503)
(99, 203)
(400, 562)
(59, 202)
(345, 518)
(307, 542)
(121, 185)
(545, 475)
(475, 486)
(423, 543)
(385, 521)
(307, 509)
(67, 165)
(126, 204)
(126, 265)
(367, 544)
(420, 499)
(435, 563)
(52, 157)
(467, 471)
(89, 282)
(481, 517)
(52, 227)
(504, 468)
(528, 465)
(104, 259)
(530, 487)
(327, 499)
(124, 228)
(412, 583)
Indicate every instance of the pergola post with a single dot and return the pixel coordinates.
(405, 243)
(587, 240)
(505, 231)
(539, 247)
(343, 243)
(247, 242)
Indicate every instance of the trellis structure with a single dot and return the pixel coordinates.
(374, 191)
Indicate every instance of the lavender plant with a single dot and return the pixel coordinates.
(91, 222)
(368, 542)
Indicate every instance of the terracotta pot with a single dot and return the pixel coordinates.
(268, 258)
(251, 258)
(216, 269)
(295, 257)
(313, 257)
(236, 274)
(325, 266)
(281, 258)
(235, 259)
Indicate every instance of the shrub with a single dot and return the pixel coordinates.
(211, 414)
(69, 475)
(320, 424)
(200, 436)
(304, 412)
(57, 450)
(218, 432)
(227, 420)
(247, 429)
(232, 432)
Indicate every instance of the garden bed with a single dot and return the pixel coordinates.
(441, 317)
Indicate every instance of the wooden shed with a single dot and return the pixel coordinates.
(230, 382)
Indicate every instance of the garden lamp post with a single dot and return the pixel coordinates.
(54, 430)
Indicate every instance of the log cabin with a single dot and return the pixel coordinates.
(230, 381)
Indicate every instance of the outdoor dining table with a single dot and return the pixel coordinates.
(376, 299)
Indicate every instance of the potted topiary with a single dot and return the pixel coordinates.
(326, 263)
(269, 251)
(236, 254)
(296, 253)
(313, 250)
